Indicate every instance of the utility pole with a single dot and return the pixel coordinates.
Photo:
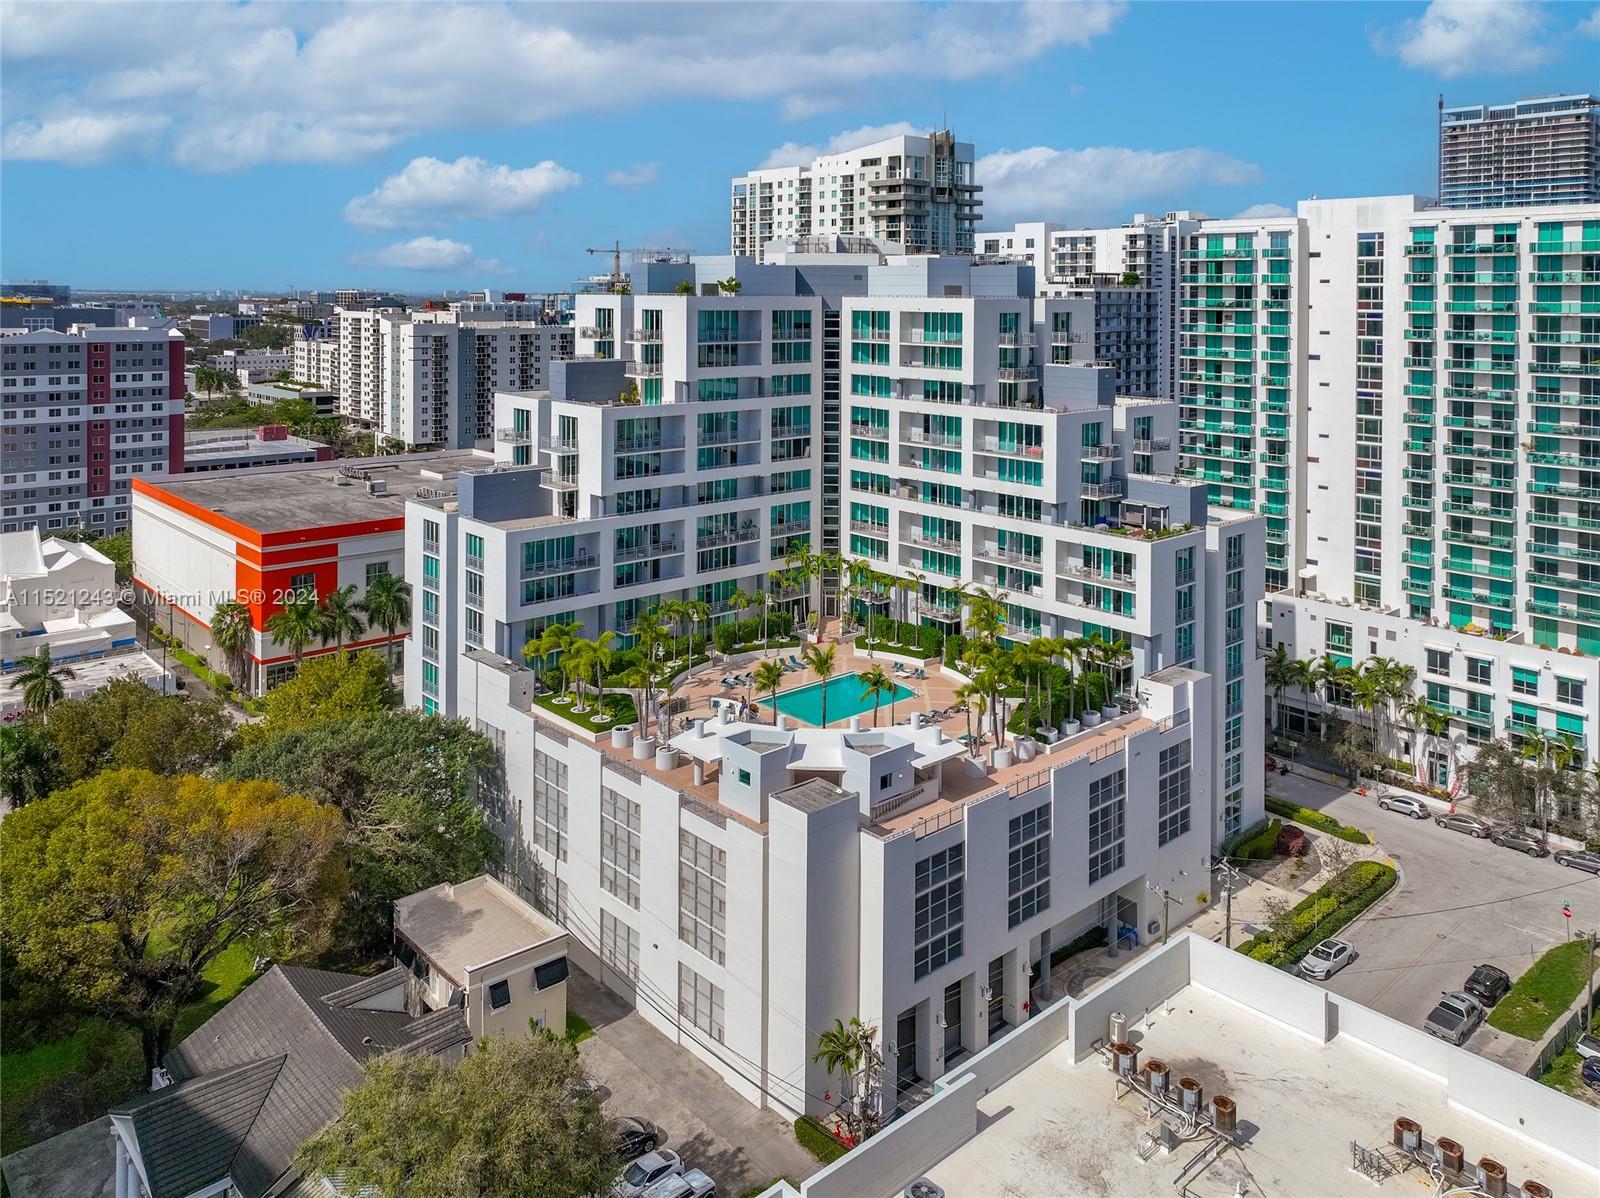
(1167, 899)
(1229, 876)
(1588, 1014)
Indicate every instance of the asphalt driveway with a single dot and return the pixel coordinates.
(1460, 902)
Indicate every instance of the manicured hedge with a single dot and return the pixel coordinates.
(1262, 845)
(1094, 938)
(1324, 913)
(1318, 821)
(815, 1139)
(1230, 846)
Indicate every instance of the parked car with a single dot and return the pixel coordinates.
(646, 1172)
(693, 1184)
(1404, 804)
(1488, 984)
(1455, 1018)
(1589, 1073)
(1460, 821)
(1587, 1047)
(635, 1137)
(1327, 959)
(1520, 839)
(1579, 859)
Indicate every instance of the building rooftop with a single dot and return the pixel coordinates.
(318, 494)
(463, 926)
(235, 443)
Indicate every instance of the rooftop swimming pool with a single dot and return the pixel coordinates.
(845, 699)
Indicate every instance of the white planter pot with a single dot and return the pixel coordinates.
(1091, 719)
(1110, 711)
(622, 737)
(1070, 727)
(666, 758)
(1003, 758)
(644, 748)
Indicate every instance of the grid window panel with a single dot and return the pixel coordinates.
(1173, 793)
(619, 945)
(1028, 865)
(1107, 824)
(940, 900)
(702, 896)
(619, 846)
(700, 1002)
(550, 805)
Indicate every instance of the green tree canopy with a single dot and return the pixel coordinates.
(126, 724)
(333, 686)
(29, 762)
(120, 890)
(517, 1118)
(405, 784)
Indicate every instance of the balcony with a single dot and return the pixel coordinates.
(1113, 488)
(1104, 452)
(1014, 339)
(1479, 598)
(1009, 374)
(513, 436)
(647, 335)
(731, 436)
(592, 332)
(1010, 449)
(868, 528)
(929, 541)
(922, 436)
(562, 565)
(729, 536)
(1009, 557)
(642, 370)
(875, 432)
(1156, 444)
(557, 444)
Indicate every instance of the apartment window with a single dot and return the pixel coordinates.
(1107, 824)
(700, 1002)
(940, 893)
(375, 571)
(499, 994)
(1028, 866)
(619, 945)
(1172, 793)
(1569, 690)
(1480, 670)
(550, 804)
(1439, 662)
(1524, 682)
(702, 896)
(619, 846)
(304, 585)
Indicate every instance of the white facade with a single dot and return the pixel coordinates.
(253, 365)
(909, 193)
(58, 593)
(81, 414)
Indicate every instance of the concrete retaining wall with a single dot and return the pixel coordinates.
(907, 1148)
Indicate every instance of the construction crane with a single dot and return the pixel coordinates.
(616, 282)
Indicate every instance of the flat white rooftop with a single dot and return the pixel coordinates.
(1056, 1127)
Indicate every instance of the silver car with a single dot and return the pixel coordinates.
(1454, 1018)
(1327, 959)
(645, 1172)
(1404, 804)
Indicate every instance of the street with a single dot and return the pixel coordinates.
(1460, 902)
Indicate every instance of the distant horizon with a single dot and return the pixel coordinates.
(271, 139)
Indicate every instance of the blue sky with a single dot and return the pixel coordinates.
(262, 145)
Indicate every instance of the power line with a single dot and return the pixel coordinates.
(1510, 898)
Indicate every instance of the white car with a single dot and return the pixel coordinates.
(693, 1184)
(1455, 1018)
(1327, 959)
(1404, 804)
(1587, 1046)
(645, 1172)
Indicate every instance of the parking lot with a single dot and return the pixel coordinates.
(1461, 902)
(647, 1076)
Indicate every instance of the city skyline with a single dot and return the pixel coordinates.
(499, 174)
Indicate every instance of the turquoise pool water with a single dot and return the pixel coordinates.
(844, 699)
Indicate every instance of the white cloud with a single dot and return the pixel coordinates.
(1468, 37)
(325, 82)
(429, 254)
(798, 154)
(86, 139)
(1262, 210)
(799, 108)
(430, 191)
(639, 174)
(1590, 25)
(1099, 182)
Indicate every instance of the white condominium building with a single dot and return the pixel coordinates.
(910, 194)
(316, 359)
(879, 873)
(427, 379)
(1544, 150)
(1451, 385)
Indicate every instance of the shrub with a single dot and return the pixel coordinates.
(1292, 841)
(724, 636)
(1315, 819)
(1095, 937)
(1230, 846)
(816, 1140)
(1262, 845)
(1322, 914)
(929, 638)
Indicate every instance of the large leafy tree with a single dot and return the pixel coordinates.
(331, 687)
(121, 889)
(518, 1118)
(29, 762)
(128, 725)
(405, 783)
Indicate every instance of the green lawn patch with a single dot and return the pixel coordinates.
(229, 973)
(578, 1028)
(1323, 913)
(618, 707)
(916, 651)
(1542, 995)
(1316, 820)
(814, 1138)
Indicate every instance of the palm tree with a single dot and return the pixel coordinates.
(552, 639)
(875, 684)
(970, 697)
(387, 605)
(801, 560)
(986, 612)
(821, 660)
(674, 614)
(602, 652)
(1279, 676)
(296, 624)
(576, 663)
(769, 677)
(339, 619)
(42, 682)
(698, 611)
(230, 633)
(1430, 724)
(642, 679)
(851, 1051)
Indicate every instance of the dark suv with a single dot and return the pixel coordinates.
(1520, 839)
(1488, 984)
